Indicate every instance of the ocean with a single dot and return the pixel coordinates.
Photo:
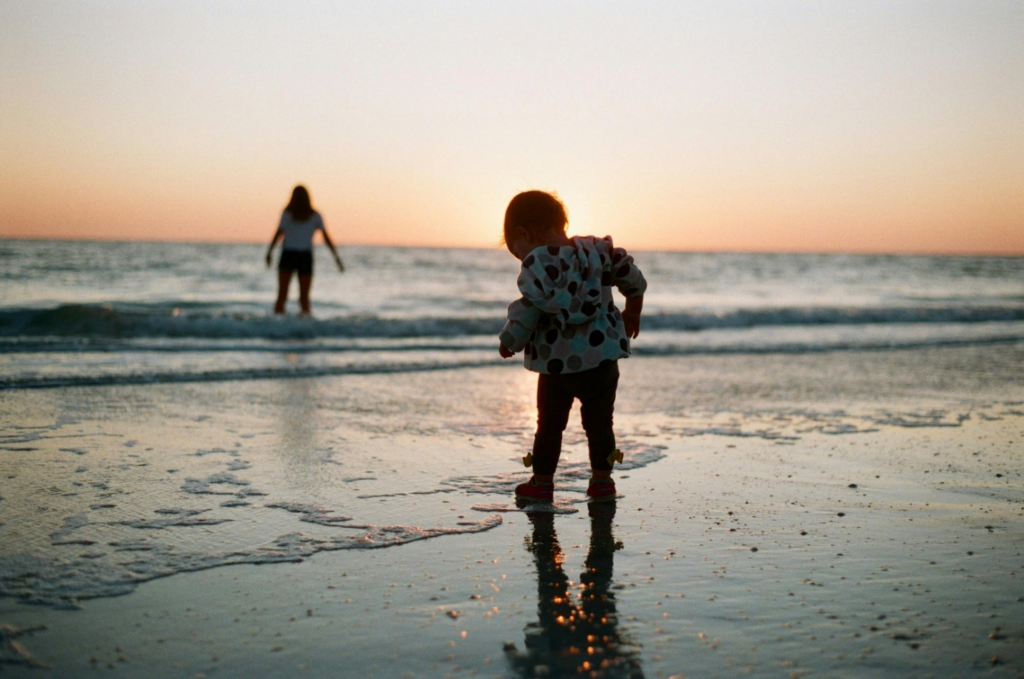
(94, 313)
(821, 473)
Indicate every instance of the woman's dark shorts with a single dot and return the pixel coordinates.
(296, 260)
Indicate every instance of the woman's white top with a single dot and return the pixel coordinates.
(299, 235)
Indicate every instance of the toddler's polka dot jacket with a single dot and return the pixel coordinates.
(566, 321)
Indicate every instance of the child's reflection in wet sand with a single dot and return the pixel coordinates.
(577, 632)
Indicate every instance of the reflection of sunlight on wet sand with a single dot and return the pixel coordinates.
(519, 408)
(505, 408)
(299, 422)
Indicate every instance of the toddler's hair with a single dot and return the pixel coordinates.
(538, 212)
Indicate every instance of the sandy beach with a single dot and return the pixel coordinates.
(832, 514)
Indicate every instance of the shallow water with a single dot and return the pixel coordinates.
(74, 313)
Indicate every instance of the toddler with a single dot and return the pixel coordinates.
(570, 331)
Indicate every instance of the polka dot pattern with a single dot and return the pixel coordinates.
(566, 320)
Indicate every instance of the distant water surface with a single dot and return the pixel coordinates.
(98, 312)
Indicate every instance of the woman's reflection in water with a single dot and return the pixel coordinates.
(575, 636)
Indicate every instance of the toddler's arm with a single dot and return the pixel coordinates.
(523, 318)
(627, 277)
(631, 315)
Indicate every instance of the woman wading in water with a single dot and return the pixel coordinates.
(299, 223)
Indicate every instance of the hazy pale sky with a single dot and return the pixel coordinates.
(797, 126)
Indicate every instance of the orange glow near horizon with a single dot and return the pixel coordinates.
(776, 127)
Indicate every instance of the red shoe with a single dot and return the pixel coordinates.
(531, 490)
(601, 490)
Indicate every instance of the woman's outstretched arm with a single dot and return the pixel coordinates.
(278, 235)
(330, 246)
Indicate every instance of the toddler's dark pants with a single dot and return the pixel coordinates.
(595, 389)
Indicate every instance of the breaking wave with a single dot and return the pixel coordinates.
(213, 321)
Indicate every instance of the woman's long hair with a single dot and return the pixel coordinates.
(299, 206)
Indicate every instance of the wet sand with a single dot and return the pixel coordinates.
(842, 514)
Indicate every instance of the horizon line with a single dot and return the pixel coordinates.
(738, 251)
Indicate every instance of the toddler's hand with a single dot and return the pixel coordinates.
(632, 323)
(505, 351)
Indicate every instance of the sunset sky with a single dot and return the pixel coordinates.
(793, 126)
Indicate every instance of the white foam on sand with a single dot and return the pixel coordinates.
(95, 554)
